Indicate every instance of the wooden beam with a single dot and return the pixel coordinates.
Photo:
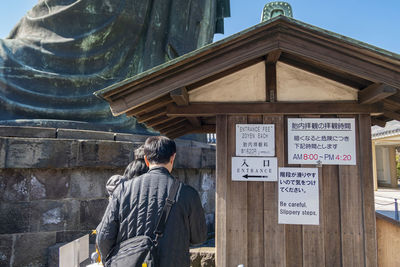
(176, 128)
(393, 102)
(157, 121)
(167, 124)
(179, 133)
(194, 121)
(270, 76)
(378, 122)
(273, 56)
(209, 128)
(150, 106)
(209, 120)
(151, 115)
(176, 135)
(206, 128)
(211, 109)
(390, 114)
(180, 96)
(375, 92)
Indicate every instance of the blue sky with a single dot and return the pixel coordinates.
(371, 21)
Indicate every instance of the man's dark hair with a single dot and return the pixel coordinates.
(159, 149)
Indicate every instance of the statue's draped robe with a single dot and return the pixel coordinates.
(64, 50)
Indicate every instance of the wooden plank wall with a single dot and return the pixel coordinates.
(247, 212)
(388, 236)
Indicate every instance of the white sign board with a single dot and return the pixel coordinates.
(298, 196)
(256, 140)
(75, 252)
(259, 169)
(321, 141)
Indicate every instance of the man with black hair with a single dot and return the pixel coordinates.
(137, 204)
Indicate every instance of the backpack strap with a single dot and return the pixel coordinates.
(162, 220)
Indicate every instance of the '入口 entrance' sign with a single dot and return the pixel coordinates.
(298, 196)
(257, 140)
(254, 169)
(321, 141)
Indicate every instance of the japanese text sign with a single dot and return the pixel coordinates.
(321, 141)
(298, 196)
(259, 169)
(257, 140)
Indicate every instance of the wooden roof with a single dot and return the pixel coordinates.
(159, 96)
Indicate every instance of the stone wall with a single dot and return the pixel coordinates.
(52, 185)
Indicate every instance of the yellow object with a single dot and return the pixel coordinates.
(144, 264)
(94, 232)
(98, 253)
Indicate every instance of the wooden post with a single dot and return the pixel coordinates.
(393, 167)
(374, 170)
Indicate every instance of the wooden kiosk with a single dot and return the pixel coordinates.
(268, 74)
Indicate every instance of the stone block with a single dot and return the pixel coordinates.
(208, 158)
(84, 134)
(104, 153)
(54, 215)
(63, 153)
(188, 157)
(193, 178)
(207, 190)
(135, 138)
(6, 242)
(192, 143)
(26, 131)
(90, 183)
(14, 185)
(54, 254)
(47, 216)
(39, 153)
(32, 249)
(193, 156)
(202, 257)
(91, 213)
(33, 184)
(49, 183)
(3, 152)
(210, 221)
(72, 214)
(15, 217)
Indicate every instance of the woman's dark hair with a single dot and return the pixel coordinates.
(159, 149)
(138, 166)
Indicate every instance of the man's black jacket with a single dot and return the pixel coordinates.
(135, 207)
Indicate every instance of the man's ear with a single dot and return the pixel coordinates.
(172, 158)
(146, 161)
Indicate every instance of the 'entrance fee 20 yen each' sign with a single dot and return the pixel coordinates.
(255, 140)
(321, 141)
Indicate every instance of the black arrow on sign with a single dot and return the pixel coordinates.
(254, 176)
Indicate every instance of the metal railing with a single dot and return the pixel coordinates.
(211, 138)
(394, 201)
